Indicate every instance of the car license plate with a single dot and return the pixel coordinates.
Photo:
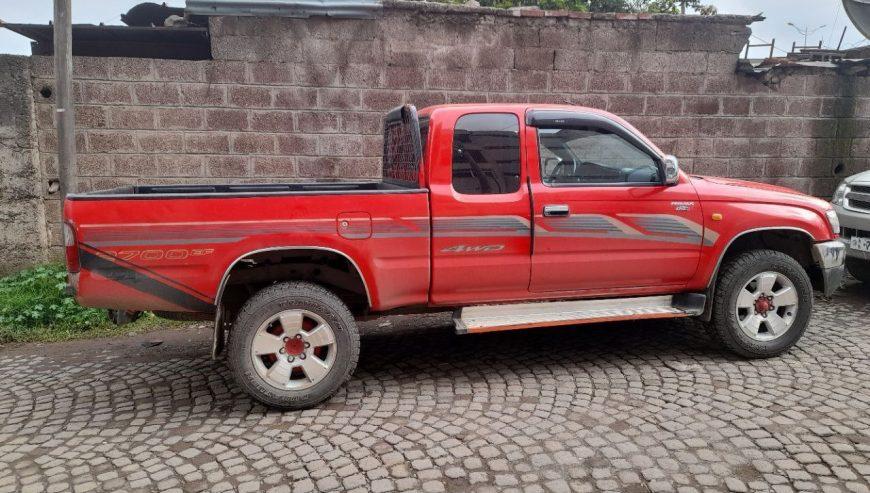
(860, 244)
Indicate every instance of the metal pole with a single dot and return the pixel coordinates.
(841, 37)
(65, 116)
(772, 44)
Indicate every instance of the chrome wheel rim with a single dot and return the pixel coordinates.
(767, 306)
(293, 350)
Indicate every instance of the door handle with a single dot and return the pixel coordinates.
(560, 210)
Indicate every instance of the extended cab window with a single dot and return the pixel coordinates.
(486, 154)
(585, 156)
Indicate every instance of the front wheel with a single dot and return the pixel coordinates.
(293, 345)
(762, 305)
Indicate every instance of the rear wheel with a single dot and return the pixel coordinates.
(293, 345)
(762, 305)
(860, 269)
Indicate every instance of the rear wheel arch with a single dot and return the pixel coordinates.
(331, 269)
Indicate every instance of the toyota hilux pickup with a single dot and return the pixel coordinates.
(512, 216)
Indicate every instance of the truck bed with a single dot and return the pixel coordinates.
(169, 247)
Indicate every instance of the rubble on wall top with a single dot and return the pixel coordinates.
(444, 8)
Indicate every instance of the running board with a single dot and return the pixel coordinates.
(492, 318)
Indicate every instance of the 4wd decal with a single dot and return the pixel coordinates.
(473, 249)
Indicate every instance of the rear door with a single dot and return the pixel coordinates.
(604, 220)
(480, 208)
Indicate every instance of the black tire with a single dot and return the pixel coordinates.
(733, 277)
(288, 296)
(860, 269)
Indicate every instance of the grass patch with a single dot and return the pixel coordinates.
(34, 307)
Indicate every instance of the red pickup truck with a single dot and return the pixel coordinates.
(514, 216)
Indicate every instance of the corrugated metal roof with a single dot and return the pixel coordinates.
(286, 8)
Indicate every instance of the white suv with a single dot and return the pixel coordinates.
(852, 203)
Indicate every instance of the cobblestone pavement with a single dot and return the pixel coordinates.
(630, 407)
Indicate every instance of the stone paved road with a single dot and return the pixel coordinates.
(633, 407)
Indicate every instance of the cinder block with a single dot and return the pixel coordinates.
(93, 164)
(646, 83)
(157, 93)
(766, 147)
(626, 104)
(298, 144)
(252, 143)
(316, 167)
(573, 60)
(487, 80)
(534, 58)
(616, 61)
(226, 119)
(358, 75)
(808, 106)
(608, 82)
(203, 94)
(295, 98)
(447, 79)
(126, 117)
(181, 118)
(569, 81)
(316, 122)
(340, 145)
(404, 78)
(363, 122)
(105, 93)
(134, 165)
(528, 81)
(380, 100)
(344, 98)
(272, 121)
(701, 105)
(179, 165)
(768, 105)
(225, 72)
(250, 96)
(106, 141)
(160, 142)
(206, 143)
(664, 105)
(227, 166)
(274, 166)
(736, 105)
(132, 69)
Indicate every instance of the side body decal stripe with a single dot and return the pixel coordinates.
(141, 282)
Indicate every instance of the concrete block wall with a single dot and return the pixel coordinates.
(297, 99)
(23, 237)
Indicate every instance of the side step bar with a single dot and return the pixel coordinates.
(492, 318)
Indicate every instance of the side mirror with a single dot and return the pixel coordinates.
(672, 169)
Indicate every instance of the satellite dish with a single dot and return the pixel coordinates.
(859, 12)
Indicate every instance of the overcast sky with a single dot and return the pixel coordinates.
(807, 14)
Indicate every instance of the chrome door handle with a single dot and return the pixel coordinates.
(560, 210)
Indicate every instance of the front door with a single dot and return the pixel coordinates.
(604, 221)
(480, 208)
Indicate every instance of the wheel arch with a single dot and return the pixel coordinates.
(346, 279)
(772, 238)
